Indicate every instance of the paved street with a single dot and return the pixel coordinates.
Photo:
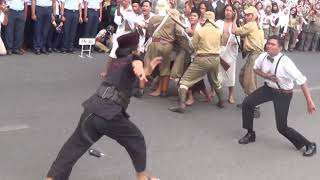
(40, 105)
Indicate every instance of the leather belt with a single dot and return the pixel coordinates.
(71, 10)
(281, 90)
(106, 91)
(206, 55)
(161, 40)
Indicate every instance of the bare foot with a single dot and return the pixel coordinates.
(156, 93)
(231, 100)
(189, 101)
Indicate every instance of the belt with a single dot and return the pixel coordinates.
(281, 90)
(161, 40)
(206, 55)
(91, 9)
(71, 10)
(106, 91)
(16, 10)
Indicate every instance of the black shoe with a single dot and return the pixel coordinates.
(63, 51)
(37, 52)
(248, 138)
(239, 105)
(54, 49)
(43, 51)
(70, 51)
(311, 149)
(178, 109)
(50, 50)
(18, 52)
(9, 52)
(256, 113)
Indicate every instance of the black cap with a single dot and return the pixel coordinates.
(128, 40)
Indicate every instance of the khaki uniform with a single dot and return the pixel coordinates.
(206, 42)
(253, 45)
(184, 52)
(162, 42)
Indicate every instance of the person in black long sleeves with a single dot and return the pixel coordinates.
(105, 113)
(279, 73)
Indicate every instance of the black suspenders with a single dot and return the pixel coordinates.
(275, 71)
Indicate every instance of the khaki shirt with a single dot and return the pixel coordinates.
(166, 32)
(253, 37)
(207, 40)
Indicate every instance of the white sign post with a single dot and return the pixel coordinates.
(86, 42)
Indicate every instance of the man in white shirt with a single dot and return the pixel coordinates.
(92, 17)
(15, 28)
(279, 73)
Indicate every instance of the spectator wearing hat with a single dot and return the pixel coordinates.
(105, 114)
(206, 41)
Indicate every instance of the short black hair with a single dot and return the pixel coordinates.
(150, 3)
(279, 39)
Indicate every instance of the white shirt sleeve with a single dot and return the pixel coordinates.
(294, 73)
(1, 18)
(117, 19)
(259, 60)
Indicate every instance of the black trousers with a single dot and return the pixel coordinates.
(89, 130)
(70, 28)
(91, 27)
(15, 30)
(28, 30)
(281, 103)
(41, 27)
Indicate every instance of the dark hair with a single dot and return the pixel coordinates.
(195, 10)
(272, 5)
(224, 10)
(123, 52)
(259, 2)
(207, 5)
(295, 14)
(279, 39)
(150, 3)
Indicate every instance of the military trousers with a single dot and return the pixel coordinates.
(164, 50)
(89, 130)
(247, 76)
(199, 68)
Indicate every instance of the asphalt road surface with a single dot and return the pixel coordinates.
(40, 105)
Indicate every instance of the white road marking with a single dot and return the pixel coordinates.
(16, 127)
(315, 88)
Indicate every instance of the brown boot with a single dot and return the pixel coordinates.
(219, 93)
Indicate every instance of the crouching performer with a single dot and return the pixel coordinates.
(105, 114)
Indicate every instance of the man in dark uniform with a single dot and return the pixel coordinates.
(105, 113)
